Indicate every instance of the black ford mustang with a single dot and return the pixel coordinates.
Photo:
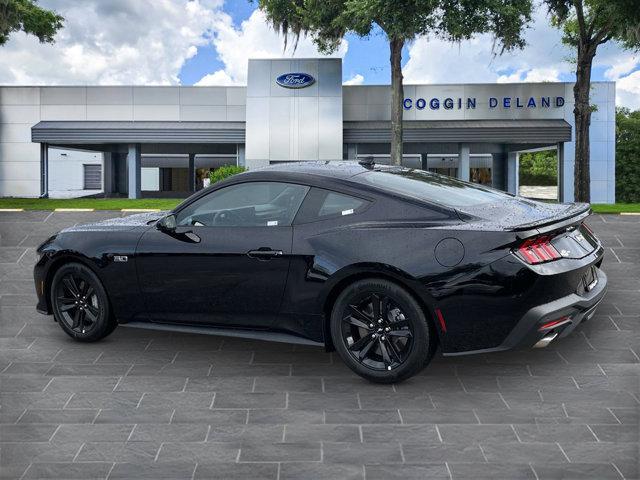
(381, 263)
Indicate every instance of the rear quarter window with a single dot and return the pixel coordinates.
(322, 204)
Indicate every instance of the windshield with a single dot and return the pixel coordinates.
(432, 187)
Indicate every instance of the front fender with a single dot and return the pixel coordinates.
(97, 251)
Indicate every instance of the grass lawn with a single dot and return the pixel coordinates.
(95, 203)
(616, 208)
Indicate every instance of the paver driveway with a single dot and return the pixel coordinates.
(161, 405)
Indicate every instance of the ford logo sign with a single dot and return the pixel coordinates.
(295, 80)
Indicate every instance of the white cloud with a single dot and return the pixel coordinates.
(544, 59)
(143, 42)
(628, 91)
(149, 41)
(531, 75)
(253, 39)
(219, 77)
(357, 79)
(622, 65)
(624, 69)
(432, 60)
(114, 42)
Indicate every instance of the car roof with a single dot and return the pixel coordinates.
(332, 169)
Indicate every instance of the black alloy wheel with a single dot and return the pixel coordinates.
(377, 332)
(381, 331)
(77, 303)
(80, 303)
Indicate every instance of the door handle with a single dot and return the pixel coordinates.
(264, 253)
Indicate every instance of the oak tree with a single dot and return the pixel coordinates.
(27, 16)
(587, 24)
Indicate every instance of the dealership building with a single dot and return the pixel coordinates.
(151, 141)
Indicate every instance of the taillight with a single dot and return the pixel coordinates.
(538, 250)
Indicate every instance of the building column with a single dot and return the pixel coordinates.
(424, 161)
(463, 161)
(133, 170)
(498, 161)
(512, 172)
(561, 176)
(44, 170)
(242, 162)
(107, 173)
(119, 161)
(192, 172)
(352, 151)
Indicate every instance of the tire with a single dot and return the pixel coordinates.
(80, 303)
(389, 348)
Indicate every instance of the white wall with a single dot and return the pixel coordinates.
(19, 158)
(66, 171)
(602, 143)
(150, 179)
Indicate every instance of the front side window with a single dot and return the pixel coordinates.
(251, 204)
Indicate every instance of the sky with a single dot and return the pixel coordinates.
(208, 42)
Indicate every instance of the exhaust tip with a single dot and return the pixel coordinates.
(546, 340)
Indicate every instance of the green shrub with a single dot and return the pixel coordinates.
(539, 168)
(627, 156)
(225, 171)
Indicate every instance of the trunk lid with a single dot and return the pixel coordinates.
(558, 225)
(521, 214)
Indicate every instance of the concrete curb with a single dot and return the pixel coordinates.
(140, 210)
(74, 210)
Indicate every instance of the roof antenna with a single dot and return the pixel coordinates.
(367, 162)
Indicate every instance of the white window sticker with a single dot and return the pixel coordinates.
(272, 223)
(347, 212)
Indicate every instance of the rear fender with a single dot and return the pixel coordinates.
(352, 273)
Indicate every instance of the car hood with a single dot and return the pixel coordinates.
(118, 224)
(519, 213)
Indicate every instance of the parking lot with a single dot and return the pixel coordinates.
(144, 404)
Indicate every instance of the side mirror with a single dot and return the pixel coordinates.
(167, 224)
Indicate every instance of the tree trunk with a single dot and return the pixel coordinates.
(582, 114)
(397, 97)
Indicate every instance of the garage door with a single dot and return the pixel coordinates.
(93, 177)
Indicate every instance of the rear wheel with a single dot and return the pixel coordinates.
(80, 303)
(381, 332)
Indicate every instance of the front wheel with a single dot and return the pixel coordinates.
(80, 303)
(381, 332)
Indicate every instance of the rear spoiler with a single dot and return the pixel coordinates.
(576, 215)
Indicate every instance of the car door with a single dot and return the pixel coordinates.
(226, 262)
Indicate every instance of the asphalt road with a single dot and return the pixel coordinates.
(144, 404)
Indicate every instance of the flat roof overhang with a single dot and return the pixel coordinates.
(473, 131)
(87, 132)
(438, 131)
